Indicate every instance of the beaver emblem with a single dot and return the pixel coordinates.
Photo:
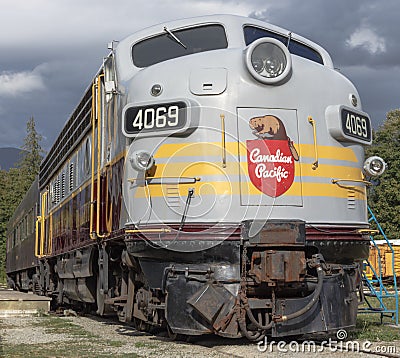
(271, 157)
(271, 128)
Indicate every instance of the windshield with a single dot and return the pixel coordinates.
(252, 33)
(165, 47)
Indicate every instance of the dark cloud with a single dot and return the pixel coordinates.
(379, 89)
(59, 47)
(64, 42)
(361, 37)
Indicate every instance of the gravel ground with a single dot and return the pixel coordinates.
(96, 337)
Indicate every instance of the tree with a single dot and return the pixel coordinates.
(15, 183)
(384, 199)
(11, 193)
(32, 154)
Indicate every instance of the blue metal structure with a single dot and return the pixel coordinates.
(375, 285)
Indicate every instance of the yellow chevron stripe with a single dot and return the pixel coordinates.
(212, 149)
(208, 149)
(198, 169)
(233, 188)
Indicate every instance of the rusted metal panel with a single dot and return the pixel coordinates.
(274, 266)
(207, 302)
(272, 233)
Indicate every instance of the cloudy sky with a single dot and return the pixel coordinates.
(49, 50)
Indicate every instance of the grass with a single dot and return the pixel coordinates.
(369, 325)
(146, 345)
(80, 343)
(57, 325)
(49, 350)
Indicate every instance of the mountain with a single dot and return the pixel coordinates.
(9, 157)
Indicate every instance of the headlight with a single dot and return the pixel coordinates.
(141, 160)
(374, 166)
(268, 60)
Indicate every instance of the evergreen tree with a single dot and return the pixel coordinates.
(15, 183)
(32, 154)
(384, 199)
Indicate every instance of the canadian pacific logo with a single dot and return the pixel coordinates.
(271, 158)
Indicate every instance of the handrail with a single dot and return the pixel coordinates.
(164, 180)
(50, 246)
(42, 223)
(135, 231)
(382, 292)
(222, 116)
(38, 219)
(92, 119)
(362, 181)
(367, 231)
(99, 114)
(96, 114)
(373, 218)
(312, 122)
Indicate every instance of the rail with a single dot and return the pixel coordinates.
(96, 114)
(375, 285)
(312, 122)
(223, 140)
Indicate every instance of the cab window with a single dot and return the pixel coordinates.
(252, 33)
(165, 47)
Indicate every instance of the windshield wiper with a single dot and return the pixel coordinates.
(174, 37)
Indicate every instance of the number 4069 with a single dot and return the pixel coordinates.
(160, 117)
(357, 125)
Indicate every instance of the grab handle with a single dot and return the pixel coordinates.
(338, 181)
(315, 163)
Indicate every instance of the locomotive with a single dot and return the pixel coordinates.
(210, 181)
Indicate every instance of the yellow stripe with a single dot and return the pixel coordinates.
(208, 149)
(327, 152)
(324, 151)
(233, 188)
(210, 188)
(198, 169)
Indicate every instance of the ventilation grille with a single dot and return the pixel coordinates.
(173, 197)
(56, 191)
(63, 185)
(351, 199)
(71, 177)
